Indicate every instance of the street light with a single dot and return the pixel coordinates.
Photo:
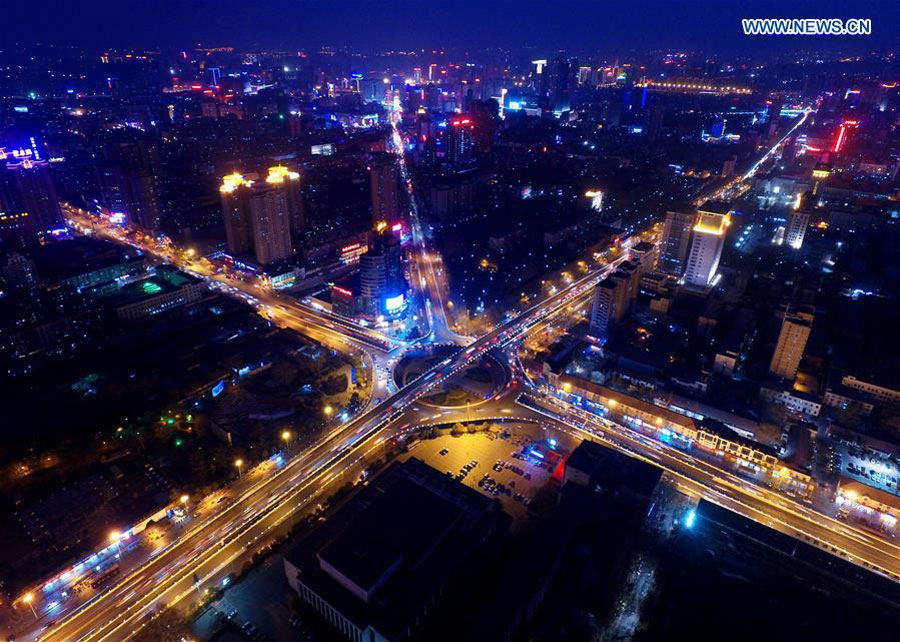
(28, 598)
(115, 536)
(328, 410)
(239, 463)
(183, 499)
(286, 435)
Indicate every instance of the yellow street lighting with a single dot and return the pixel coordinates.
(183, 499)
(115, 536)
(286, 435)
(328, 410)
(239, 463)
(28, 598)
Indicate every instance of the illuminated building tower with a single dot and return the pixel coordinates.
(270, 223)
(796, 228)
(131, 192)
(461, 143)
(675, 240)
(383, 180)
(31, 191)
(282, 178)
(795, 329)
(706, 248)
(382, 284)
(610, 302)
(235, 194)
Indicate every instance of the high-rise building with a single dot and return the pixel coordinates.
(383, 181)
(19, 272)
(706, 248)
(795, 329)
(798, 221)
(461, 143)
(235, 194)
(270, 223)
(675, 240)
(382, 284)
(130, 176)
(655, 115)
(30, 190)
(611, 300)
(288, 181)
(130, 191)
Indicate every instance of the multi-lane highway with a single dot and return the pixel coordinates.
(213, 546)
(204, 553)
(718, 484)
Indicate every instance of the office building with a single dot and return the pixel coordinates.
(377, 569)
(270, 223)
(706, 249)
(383, 182)
(798, 221)
(382, 284)
(795, 329)
(675, 241)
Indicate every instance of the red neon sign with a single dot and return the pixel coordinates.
(840, 140)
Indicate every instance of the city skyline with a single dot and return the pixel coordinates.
(583, 26)
(332, 322)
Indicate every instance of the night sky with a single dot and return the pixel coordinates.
(596, 26)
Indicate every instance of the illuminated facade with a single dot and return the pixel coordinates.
(792, 340)
(706, 249)
(288, 181)
(796, 228)
(29, 189)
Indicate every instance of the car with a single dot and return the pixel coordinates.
(444, 452)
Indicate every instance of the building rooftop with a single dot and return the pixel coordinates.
(391, 550)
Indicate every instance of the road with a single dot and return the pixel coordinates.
(739, 494)
(212, 547)
(215, 545)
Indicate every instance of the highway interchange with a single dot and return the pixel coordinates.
(213, 546)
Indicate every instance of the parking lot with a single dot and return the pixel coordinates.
(505, 469)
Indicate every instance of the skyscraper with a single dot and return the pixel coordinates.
(270, 223)
(130, 191)
(706, 248)
(129, 177)
(795, 329)
(798, 221)
(383, 180)
(382, 284)
(611, 299)
(461, 143)
(675, 239)
(235, 194)
(282, 178)
(30, 190)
